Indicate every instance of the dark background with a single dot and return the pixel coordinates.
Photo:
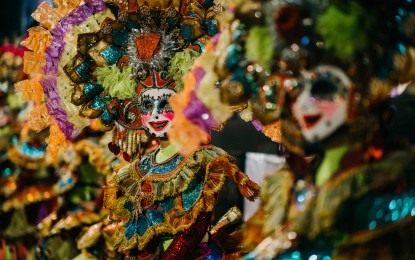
(10, 19)
(15, 17)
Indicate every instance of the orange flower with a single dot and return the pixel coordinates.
(47, 16)
(39, 118)
(31, 90)
(39, 39)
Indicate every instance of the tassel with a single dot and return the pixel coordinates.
(125, 142)
(249, 189)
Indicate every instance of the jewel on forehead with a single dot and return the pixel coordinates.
(147, 45)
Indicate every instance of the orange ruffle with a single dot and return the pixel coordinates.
(39, 118)
(38, 40)
(33, 62)
(182, 99)
(187, 133)
(66, 6)
(47, 16)
(56, 141)
(182, 130)
(31, 90)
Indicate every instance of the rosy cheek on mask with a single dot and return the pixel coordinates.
(295, 108)
(328, 107)
(168, 115)
(145, 117)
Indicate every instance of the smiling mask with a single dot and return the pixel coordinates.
(321, 108)
(156, 112)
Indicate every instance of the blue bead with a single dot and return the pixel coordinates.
(233, 58)
(186, 32)
(405, 212)
(296, 255)
(402, 48)
(372, 225)
(305, 40)
(211, 27)
(111, 54)
(83, 70)
(106, 118)
(395, 215)
(97, 103)
(6, 172)
(392, 205)
(91, 90)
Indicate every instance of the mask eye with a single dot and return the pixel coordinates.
(147, 105)
(329, 82)
(324, 89)
(164, 104)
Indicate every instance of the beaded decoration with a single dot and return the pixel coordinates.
(99, 55)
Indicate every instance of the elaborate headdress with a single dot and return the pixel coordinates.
(100, 54)
(372, 42)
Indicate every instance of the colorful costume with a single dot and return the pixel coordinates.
(121, 61)
(320, 84)
(171, 200)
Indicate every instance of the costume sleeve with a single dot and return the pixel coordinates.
(224, 164)
(185, 244)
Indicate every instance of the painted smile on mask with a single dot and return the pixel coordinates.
(311, 120)
(159, 126)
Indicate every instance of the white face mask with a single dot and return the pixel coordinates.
(156, 112)
(321, 108)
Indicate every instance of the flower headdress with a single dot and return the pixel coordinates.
(372, 42)
(98, 55)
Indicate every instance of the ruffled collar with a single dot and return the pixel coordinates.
(158, 186)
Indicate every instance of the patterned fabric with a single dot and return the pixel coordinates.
(163, 199)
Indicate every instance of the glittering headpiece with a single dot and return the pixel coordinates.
(100, 54)
(266, 45)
